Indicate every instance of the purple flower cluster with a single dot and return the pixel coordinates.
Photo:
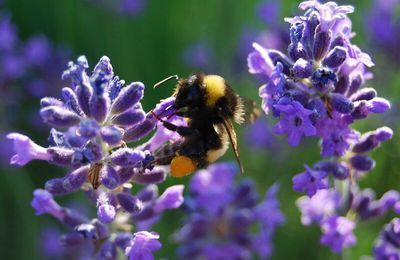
(338, 213)
(92, 124)
(98, 240)
(221, 215)
(28, 70)
(383, 27)
(317, 90)
(387, 245)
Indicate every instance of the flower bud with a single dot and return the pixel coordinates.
(279, 57)
(92, 152)
(111, 135)
(99, 106)
(383, 134)
(109, 177)
(378, 105)
(388, 201)
(146, 213)
(362, 163)
(322, 42)
(71, 100)
(127, 157)
(84, 93)
(130, 117)
(148, 193)
(104, 67)
(335, 57)
(362, 204)
(360, 110)
(171, 198)
(55, 186)
(88, 128)
(115, 87)
(364, 94)
(74, 180)
(341, 103)
(154, 176)
(59, 117)
(338, 41)
(371, 140)
(129, 202)
(355, 84)
(88, 231)
(311, 24)
(139, 131)
(50, 101)
(342, 85)
(297, 51)
(60, 156)
(128, 97)
(318, 107)
(340, 171)
(125, 174)
(324, 79)
(302, 69)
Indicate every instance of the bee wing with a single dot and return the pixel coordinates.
(94, 175)
(251, 111)
(232, 137)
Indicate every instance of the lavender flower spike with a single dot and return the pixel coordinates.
(321, 73)
(92, 123)
(317, 89)
(26, 150)
(221, 214)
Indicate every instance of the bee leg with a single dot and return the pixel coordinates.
(181, 130)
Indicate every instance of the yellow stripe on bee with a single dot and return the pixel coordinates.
(182, 166)
(215, 89)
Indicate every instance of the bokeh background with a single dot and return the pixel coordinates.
(146, 41)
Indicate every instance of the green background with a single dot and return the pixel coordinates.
(147, 48)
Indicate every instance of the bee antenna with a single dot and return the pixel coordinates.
(165, 80)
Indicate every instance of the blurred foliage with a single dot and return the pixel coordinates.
(147, 48)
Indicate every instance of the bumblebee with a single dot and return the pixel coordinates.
(210, 107)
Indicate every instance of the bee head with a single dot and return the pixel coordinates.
(188, 92)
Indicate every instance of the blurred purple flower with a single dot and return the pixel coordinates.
(382, 26)
(143, 245)
(387, 245)
(320, 206)
(310, 181)
(199, 56)
(220, 214)
(338, 233)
